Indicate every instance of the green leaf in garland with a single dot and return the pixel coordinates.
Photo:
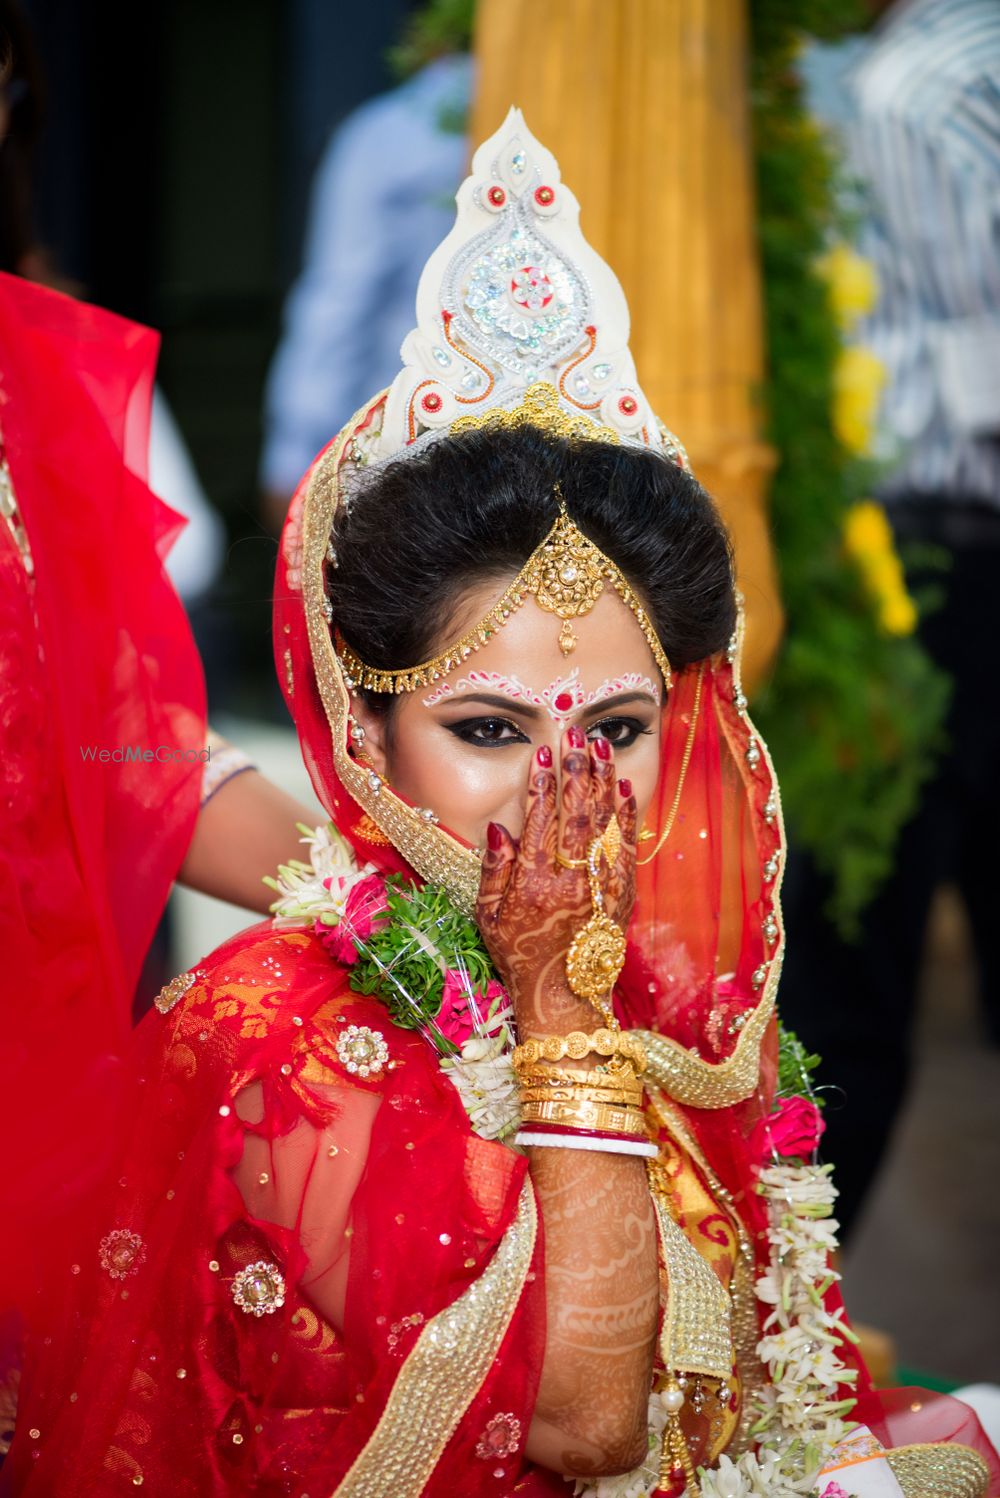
(795, 1067)
(404, 961)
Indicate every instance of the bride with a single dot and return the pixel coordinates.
(436, 1183)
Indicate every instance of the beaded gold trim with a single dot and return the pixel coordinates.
(696, 1333)
(743, 1293)
(946, 1470)
(565, 574)
(539, 407)
(706, 1084)
(445, 1371)
(435, 854)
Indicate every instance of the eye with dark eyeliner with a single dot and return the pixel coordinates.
(621, 733)
(497, 733)
(488, 733)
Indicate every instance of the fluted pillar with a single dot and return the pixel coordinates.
(645, 105)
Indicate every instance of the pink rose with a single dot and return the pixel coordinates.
(792, 1131)
(834, 1490)
(456, 1020)
(364, 911)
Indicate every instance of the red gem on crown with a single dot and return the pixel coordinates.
(628, 405)
(497, 197)
(432, 401)
(544, 196)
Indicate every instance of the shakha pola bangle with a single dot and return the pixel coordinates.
(644, 1148)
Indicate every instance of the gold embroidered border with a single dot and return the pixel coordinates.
(445, 1371)
(710, 1084)
(432, 851)
(945, 1470)
(697, 1331)
(745, 1322)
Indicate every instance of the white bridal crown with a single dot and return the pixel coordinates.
(516, 312)
(518, 322)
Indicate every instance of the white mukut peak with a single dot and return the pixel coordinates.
(514, 297)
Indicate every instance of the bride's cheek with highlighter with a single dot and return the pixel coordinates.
(466, 786)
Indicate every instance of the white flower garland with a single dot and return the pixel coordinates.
(801, 1415)
(484, 1077)
(317, 890)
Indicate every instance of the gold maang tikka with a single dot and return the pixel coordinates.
(565, 574)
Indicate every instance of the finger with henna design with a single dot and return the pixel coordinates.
(538, 833)
(576, 814)
(602, 767)
(498, 861)
(620, 893)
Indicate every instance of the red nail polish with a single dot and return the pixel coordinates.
(625, 789)
(494, 837)
(544, 757)
(576, 738)
(602, 748)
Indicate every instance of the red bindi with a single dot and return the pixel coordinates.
(563, 702)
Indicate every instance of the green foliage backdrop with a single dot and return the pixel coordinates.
(853, 715)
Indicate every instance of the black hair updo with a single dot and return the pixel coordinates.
(420, 532)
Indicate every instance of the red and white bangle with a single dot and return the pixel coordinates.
(603, 1143)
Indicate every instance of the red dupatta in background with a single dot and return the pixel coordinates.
(95, 654)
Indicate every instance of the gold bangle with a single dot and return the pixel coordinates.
(620, 1071)
(576, 1045)
(606, 1118)
(631, 1098)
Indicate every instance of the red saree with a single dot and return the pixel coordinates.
(165, 1379)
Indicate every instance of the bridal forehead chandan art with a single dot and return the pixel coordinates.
(560, 699)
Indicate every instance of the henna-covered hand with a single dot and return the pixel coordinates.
(530, 905)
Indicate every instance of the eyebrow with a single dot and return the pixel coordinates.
(528, 710)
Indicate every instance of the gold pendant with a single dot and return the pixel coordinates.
(595, 958)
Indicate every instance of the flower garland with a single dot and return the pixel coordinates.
(426, 962)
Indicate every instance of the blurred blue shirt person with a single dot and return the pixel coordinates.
(916, 106)
(382, 201)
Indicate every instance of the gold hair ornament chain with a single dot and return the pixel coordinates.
(565, 575)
